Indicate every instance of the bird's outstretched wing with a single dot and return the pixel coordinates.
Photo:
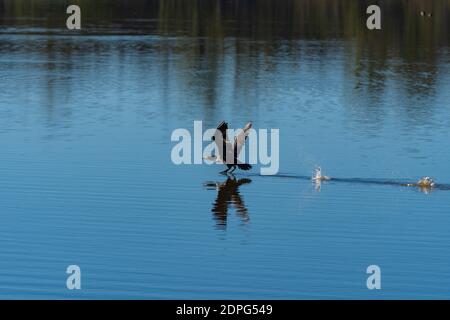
(239, 140)
(223, 127)
(220, 138)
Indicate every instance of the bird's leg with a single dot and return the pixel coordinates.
(230, 175)
(232, 170)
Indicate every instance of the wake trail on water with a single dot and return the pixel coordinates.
(425, 183)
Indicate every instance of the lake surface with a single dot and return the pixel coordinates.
(86, 176)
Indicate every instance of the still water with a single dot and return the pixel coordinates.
(86, 176)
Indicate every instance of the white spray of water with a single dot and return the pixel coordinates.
(317, 175)
(426, 182)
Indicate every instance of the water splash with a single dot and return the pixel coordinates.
(317, 175)
(317, 178)
(425, 184)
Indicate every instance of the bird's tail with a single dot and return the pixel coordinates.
(244, 166)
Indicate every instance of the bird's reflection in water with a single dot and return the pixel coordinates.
(228, 195)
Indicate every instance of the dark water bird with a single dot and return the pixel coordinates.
(228, 195)
(228, 151)
(423, 14)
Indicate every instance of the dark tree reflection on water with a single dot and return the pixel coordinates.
(246, 41)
